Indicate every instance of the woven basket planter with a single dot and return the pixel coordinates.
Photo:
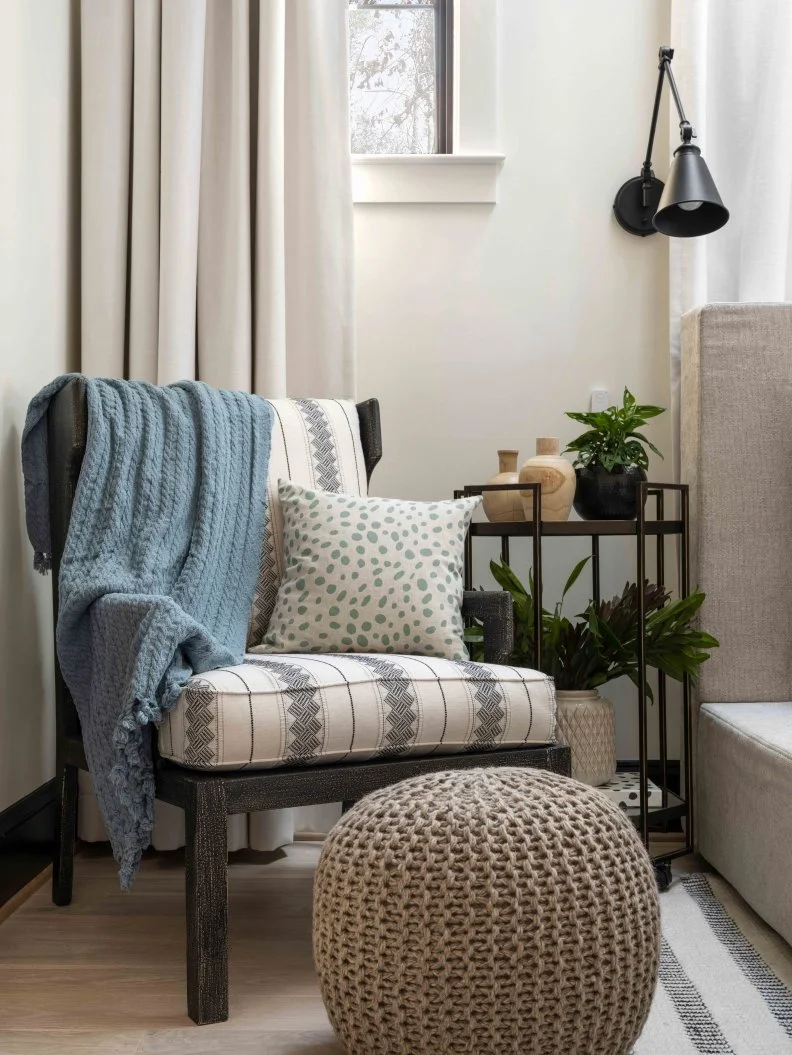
(486, 911)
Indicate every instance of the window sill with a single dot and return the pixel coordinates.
(425, 178)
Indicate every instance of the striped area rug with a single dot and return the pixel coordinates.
(718, 993)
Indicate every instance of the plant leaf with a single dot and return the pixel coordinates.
(575, 575)
(505, 578)
(644, 440)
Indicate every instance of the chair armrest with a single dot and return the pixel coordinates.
(493, 609)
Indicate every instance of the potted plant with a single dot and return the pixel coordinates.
(601, 643)
(611, 459)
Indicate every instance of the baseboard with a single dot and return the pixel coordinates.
(27, 891)
(27, 831)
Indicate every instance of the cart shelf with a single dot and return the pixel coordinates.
(586, 528)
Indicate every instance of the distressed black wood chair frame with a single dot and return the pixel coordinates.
(208, 798)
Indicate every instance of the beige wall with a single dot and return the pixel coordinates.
(35, 344)
(479, 325)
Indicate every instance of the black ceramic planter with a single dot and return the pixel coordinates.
(602, 495)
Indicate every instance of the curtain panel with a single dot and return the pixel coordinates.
(216, 222)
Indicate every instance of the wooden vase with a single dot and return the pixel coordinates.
(504, 507)
(556, 476)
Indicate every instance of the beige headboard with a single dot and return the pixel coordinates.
(736, 450)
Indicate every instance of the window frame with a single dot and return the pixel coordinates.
(444, 77)
(471, 174)
(444, 67)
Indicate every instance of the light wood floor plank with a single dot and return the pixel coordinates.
(60, 1042)
(109, 969)
(196, 1042)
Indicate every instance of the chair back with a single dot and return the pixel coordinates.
(330, 444)
(315, 443)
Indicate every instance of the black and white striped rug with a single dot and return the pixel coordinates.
(721, 989)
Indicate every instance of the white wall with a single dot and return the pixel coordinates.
(479, 325)
(36, 337)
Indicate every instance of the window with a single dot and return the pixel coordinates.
(400, 76)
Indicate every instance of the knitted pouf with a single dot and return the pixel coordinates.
(486, 911)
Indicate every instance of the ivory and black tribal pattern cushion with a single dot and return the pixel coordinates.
(370, 575)
(315, 442)
(292, 710)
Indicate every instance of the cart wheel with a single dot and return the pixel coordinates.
(662, 871)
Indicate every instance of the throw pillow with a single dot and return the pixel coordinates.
(370, 575)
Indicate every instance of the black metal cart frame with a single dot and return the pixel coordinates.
(675, 806)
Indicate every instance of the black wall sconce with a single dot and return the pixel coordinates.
(689, 204)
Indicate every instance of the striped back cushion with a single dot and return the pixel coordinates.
(315, 443)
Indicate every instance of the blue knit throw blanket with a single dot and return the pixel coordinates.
(159, 568)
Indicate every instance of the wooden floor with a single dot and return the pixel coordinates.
(105, 976)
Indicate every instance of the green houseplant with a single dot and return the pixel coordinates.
(594, 647)
(611, 459)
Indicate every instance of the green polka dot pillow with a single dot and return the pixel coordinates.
(369, 575)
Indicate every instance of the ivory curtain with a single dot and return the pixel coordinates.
(732, 63)
(216, 221)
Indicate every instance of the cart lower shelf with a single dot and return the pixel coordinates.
(665, 806)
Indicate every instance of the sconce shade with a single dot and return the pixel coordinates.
(690, 204)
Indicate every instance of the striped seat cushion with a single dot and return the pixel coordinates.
(287, 710)
(315, 443)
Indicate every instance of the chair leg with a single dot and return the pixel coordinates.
(65, 835)
(206, 854)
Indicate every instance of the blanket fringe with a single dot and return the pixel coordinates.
(42, 562)
(133, 781)
(129, 862)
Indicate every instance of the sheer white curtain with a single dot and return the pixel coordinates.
(216, 220)
(733, 63)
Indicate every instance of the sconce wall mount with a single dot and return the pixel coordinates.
(688, 204)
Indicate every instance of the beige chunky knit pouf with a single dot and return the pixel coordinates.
(486, 911)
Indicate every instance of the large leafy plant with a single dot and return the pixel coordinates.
(601, 643)
(612, 438)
